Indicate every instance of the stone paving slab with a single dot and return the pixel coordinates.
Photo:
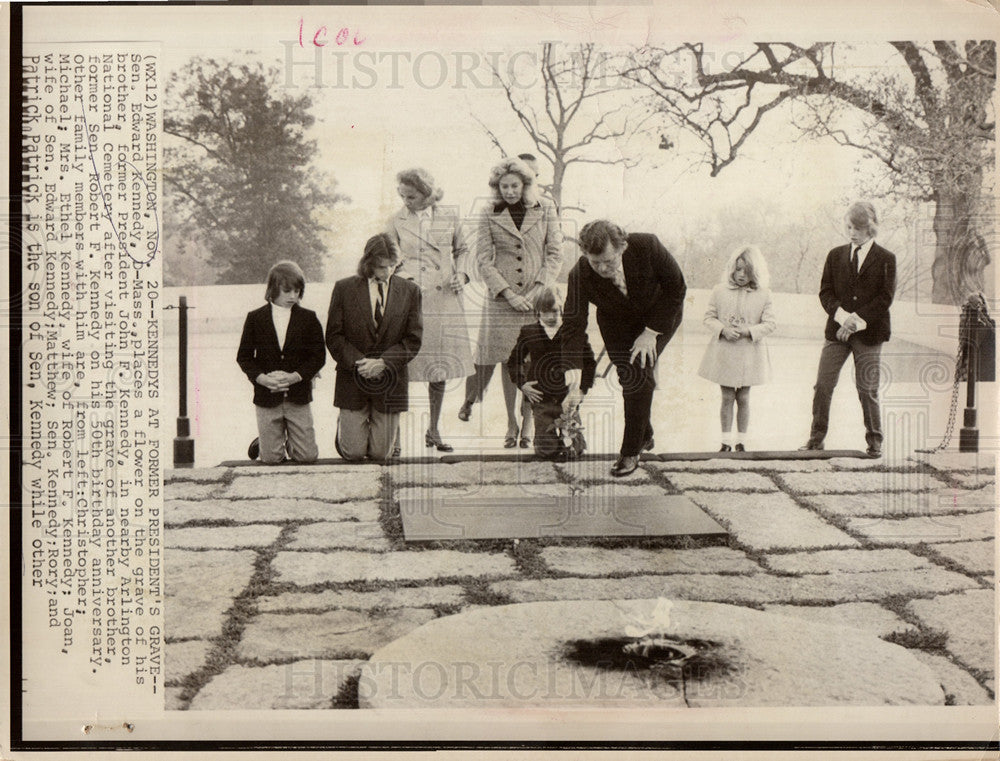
(721, 482)
(724, 464)
(967, 619)
(776, 660)
(283, 636)
(900, 504)
(974, 480)
(860, 615)
(200, 475)
(940, 528)
(845, 561)
(341, 468)
(888, 461)
(756, 589)
(584, 561)
(307, 568)
(599, 471)
(179, 512)
(834, 483)
(401, 597)
(183, 658)
(978, 557)
(770, 521)
(488, 491)
(349, 535)
(302, 684)
(328, 487)
(194, 608)
(222, 537)
(472, 472)
(955, 681)
(192, 490)
(984, 462)
(172, 699)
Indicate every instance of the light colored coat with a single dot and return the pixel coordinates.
(515, 259)
(744, 362)
(431, 251)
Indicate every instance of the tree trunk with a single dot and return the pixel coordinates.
(960, 251)
(558, 172)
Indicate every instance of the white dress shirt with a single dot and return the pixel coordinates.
(280, 316)
(841, 315)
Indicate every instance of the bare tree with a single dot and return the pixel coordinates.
(926, 116)
(563, 118)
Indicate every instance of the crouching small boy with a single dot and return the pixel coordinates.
(281, 350)
(552, 379)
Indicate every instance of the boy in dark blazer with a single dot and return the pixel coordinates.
(373, 330)
(539, 366)
(856, 290)
(638, 290)
(281, 350)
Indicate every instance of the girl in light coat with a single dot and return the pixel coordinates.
(740, 317)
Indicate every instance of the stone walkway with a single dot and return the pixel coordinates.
(281, 582)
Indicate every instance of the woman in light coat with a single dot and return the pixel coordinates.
(519, 252)
(739, 316)
(433, 253)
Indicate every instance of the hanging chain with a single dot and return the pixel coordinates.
(953, 412)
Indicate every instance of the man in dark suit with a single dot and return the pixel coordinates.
(858, 285)
(373, 330)
(638, 290)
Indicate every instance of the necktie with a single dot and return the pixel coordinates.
(618, 278)
(854, 259)
(378, 305)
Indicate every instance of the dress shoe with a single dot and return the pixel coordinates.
(434, 440)
(811, 446)
(465, 412)
(525, 442)
(874, 452)
(510, 441)
(739, 448)
(648, 445)
(253, 452)
(725, 448)
(626, 464)
(396, 452)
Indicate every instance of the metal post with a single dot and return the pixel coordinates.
(968, 438)
(183, 443)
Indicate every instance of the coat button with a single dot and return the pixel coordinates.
(520, 270)
(520, 285)
(437, 288)
(518, 245)
(520, 258)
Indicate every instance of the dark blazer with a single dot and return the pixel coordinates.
(536, 357)
(655, 288)
(302, 353)
(869, 294)
(351, 335)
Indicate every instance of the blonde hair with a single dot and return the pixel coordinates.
(755, 264)
(421, 181)
(518, 168)
(862, 215)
